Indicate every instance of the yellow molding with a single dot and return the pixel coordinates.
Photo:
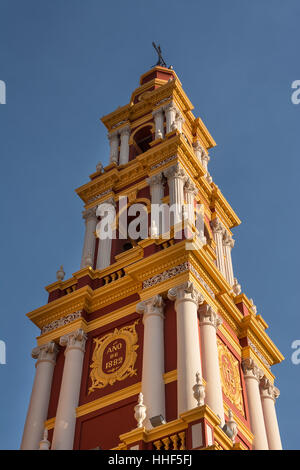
(170, 376)
(56, 334)
(250, 324)
(49, 424)
(108, 399)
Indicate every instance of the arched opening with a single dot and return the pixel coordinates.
(142, 139)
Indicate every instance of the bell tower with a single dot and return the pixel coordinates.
(152, 344)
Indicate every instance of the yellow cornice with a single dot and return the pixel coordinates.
(221, 205)
(77, 300)
(248, 352)
(250, 325)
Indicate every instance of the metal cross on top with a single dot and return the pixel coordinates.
(160, 61)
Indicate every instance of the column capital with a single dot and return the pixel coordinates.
(112, 135)
(228, 240)
(198, 147)
(175, 171)
(267, 389)
(152, 306)
(74, 340)
(155, 179)
(125, 130)
(158, 111)
(89, 213)
(209, 317)
(205, 157)
(250, 369)
(190, 186)
(169, 107)
(217, 226)
(186, 291)
(106, 206)
(46, 352)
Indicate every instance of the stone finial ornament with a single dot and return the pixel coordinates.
(44, 443)
(199, 390)
(236, 288)
(60, 274)
(232, 425)
(99, 167)
(253, 307)
(153, 230)
(140, 411)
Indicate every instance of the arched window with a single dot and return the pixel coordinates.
(142, 139)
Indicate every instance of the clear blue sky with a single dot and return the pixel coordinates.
(67, 63)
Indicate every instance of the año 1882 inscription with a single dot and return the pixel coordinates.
(114, 357)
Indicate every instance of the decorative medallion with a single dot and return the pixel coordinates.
(114, 357)
(230, 377)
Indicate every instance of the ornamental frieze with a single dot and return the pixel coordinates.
(168, 274)
(61, 322)
(230, 377)
(114, 357)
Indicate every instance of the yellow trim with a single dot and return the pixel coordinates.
(108, 399)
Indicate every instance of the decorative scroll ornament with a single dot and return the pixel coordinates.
(230, 377)
(114, 357)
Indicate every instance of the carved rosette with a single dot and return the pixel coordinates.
(209, 317)
(251, 370)
(74, 340)
(152, 306)
(268, 390)
(46, 352)
(184, 292)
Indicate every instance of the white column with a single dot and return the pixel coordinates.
(114, 147)
(190, 193)
(40, 395)
(252, 375)
(153, 387)
(176, 177)
(158, 115)
(124, 147)
(269, 394)
(209, 322)
(205, 160)
(198, 149)
(218, 231)
(88, 251)
(170, 111)
(179, 120)
(104, 247)
(228, 244)
(156, 188)
(187, 299)
(65, 420)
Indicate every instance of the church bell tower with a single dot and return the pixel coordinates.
(152, 344)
